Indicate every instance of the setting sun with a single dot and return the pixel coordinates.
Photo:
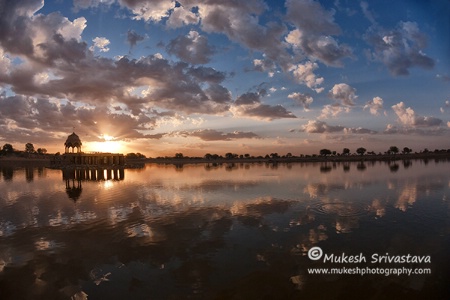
(108, 145)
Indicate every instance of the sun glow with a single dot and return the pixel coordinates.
(109, 145)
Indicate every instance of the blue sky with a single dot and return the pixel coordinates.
(161, 77)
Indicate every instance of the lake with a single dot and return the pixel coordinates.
(374, 230)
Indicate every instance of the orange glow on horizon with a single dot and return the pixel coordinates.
(109, 145)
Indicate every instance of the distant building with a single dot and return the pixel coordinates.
(79, 158)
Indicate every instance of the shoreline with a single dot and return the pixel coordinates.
(46, 162)
(309, 159)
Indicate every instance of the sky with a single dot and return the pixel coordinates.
(254, 77)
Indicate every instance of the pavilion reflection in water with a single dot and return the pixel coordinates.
(75, 176)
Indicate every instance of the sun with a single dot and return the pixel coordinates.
(109, 144)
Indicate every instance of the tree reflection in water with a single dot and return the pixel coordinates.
(237, 231)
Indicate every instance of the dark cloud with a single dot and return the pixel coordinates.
(133, 38)
(192, 48)
(400, 49)
(249, 105)
(214, 135)
(303, 99)
(315, 27)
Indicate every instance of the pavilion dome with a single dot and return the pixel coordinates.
(73, 141)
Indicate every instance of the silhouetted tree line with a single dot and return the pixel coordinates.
(391, 151)
(8, 150)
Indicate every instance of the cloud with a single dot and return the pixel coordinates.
(444, 109)
(181, 17)
(431, 131)
(343, 93)
(101, 44)
(315, 27)
(239, 21)
(249, 105)
(133, 38)
(49, 120)
(367, 13)
(304, 74)
(303, 99)
(85, 4)
(399, 49)
(374, 105)
(332, 111)
(316, 126)
(149, 11)
(192, 48)
(214, 135)
(408, 117)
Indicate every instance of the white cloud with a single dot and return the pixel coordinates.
(149, 11)
(374, 105)
(181, 17)
(314, 126)
(304, 74)
(343, 93)
(408, 117)
(101, 43)
(334, 110)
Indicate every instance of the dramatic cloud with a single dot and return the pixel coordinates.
(239, 21)
(400, 49)
(192, 48)
(315, 28)
(408, 117)
(374, 106)
(343, 93)
(302, 99)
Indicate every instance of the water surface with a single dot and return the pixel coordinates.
(222, 231)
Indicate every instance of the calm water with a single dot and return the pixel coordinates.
(238, 231)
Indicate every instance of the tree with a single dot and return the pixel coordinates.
(7, 148)
(29, 148)
(230, 155)
(361, 150)
(41, 150)
(179, 155)
(393, 149)
(407, 150)
(345, 151)
(325, 152)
